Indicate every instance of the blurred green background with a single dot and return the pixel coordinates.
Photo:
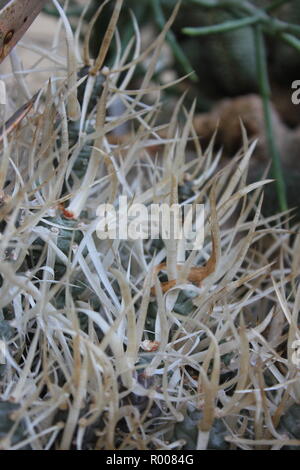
(230, 49)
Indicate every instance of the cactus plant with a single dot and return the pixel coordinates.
(105, 353)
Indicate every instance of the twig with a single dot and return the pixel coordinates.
(176, 48)
(264, 87)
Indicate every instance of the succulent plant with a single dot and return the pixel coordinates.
(7, 423)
